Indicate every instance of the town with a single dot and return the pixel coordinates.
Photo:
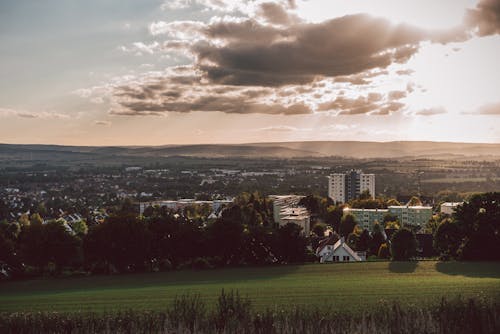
(353, 222)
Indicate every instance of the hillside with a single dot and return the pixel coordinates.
(353, 149)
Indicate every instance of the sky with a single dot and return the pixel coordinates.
(157, 72)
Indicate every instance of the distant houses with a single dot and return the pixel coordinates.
(177, 205)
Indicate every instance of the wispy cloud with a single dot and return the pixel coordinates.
(103, 123)
(33, 115)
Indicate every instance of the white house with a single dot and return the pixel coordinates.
(339, 252)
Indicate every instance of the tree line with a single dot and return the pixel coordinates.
(242, 234)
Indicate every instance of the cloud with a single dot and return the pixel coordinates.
(32, 115)
(363, 78)
(373, 104)
(176, 29)
(218, 5)
(275, 13)
(490, 109)
(226, 104)
(485, 18)
(184, 96)
(431, 111)
(103, 123)
(339, 47)
(396, 94)
(279, 128)
(265, 59)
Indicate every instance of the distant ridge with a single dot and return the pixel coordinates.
(352, 149)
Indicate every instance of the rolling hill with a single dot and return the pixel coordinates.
(352, 149)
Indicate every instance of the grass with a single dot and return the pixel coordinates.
(348, 287)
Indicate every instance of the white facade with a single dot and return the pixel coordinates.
(407, 215)
(336, 187)
(449, 207)
(340, 252)
(367, 182)
(286, 210)
(343, 187)
(281, 202)
(411, 215)
(298, 216)
(366, 218)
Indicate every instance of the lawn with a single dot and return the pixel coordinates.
(350, 286)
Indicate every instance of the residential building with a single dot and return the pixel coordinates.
(366, 218)
(339, 252)
(407, 215)
(286, 210)
(411, 215)
(343, 187)
(283, 201)
(449, 207)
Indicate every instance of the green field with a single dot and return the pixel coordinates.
(351, 286)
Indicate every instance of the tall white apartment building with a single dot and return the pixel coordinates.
(336, 187)
(367, 182)
(342, 187)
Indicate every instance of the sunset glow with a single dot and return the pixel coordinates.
(223, 71)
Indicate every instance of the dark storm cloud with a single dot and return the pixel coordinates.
(339, 47)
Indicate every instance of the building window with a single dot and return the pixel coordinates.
(336, 258)
(345, 258)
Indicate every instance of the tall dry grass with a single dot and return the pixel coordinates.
(234, 314)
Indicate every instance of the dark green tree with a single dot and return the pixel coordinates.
(347, 224)
(448, 238)
(122, 241)
(376, 240)
(289, 244)
(51, 242)
(479, 221)
(403, 245)
(333, 216)
(319, 229)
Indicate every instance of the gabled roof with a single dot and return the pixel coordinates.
(341, 243)
(330, 240)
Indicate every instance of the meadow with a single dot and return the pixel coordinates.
(349, 287)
